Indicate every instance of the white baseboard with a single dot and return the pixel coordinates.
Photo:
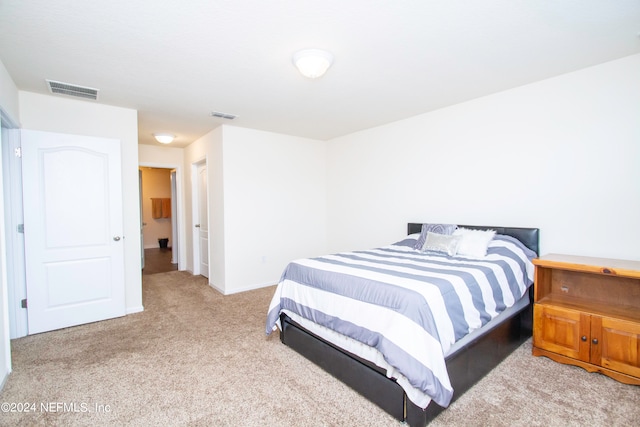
(132, 310)
(246, 288)
(4, 380)
(216, 288)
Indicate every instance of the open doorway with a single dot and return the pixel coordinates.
(159, 226)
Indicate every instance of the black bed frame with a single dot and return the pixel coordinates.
(466, 366)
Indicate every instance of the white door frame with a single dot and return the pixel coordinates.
(180, 227)
(16, 270)
(179, 247)
(141, 218)
(7, 257)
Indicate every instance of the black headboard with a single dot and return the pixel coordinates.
(530, 237)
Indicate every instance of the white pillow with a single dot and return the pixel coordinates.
(442, 243)
(474, 243)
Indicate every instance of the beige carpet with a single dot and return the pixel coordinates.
(195, 357)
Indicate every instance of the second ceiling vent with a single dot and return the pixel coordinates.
(223, 115)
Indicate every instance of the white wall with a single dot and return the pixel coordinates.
(561, 154)
(160, 156)
(57, 114)
(267, 204)
(275, 204)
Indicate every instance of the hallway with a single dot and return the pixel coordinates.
(158, 260)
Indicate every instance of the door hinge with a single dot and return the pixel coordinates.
(17, 152)
(21, 228)
(23, 303)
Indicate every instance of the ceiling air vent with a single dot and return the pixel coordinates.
(72, 90)
(223, 115)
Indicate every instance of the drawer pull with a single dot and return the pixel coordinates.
(584, 338)
(594, 341)
(607, 271)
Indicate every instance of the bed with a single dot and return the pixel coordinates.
(369, 361)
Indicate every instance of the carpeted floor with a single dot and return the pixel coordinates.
(195, 357)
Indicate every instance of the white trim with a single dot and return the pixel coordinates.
(16, 271)
(6, 120)
(5, 337)
(132, 310)
(246, 288)
(180, 246)
(4, 380)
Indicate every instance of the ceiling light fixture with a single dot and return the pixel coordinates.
(312, 63)
(164, 138)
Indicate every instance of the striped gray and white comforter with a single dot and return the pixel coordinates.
(412, 306)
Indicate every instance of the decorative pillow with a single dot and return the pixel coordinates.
(409, 241)
(474, 243)
(434, 228)
(442, 243)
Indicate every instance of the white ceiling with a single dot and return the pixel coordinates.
(176, 62)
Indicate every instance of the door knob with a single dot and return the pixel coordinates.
(197, 225)
(116, 238)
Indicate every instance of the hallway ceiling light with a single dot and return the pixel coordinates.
(164, 138)
(312, 63)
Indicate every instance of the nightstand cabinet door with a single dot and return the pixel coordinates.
(618, 345)
(562, 331)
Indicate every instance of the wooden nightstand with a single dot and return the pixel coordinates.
(587, 313)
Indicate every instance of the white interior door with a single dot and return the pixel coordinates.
(73, 223)
(203, 218)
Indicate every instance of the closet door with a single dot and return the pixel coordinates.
(203, 215)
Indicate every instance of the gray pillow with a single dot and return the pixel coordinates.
(446, 229)
(442, 243)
